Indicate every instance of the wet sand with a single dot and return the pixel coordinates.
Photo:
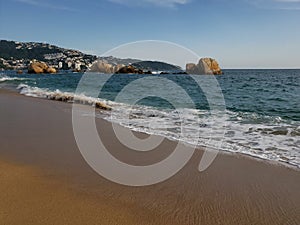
(44, 179)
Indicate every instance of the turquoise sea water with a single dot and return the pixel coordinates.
(263, 108)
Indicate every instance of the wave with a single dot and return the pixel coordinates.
(61, 96)
(265, 137)
(6, 78)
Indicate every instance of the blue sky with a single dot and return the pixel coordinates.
(238, 33)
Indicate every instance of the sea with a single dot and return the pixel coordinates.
(262, 106)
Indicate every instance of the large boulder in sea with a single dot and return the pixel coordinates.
(205, 66)
(51, 70)
(118, 67)
(191, 68)
(102, 66)
(40, 67)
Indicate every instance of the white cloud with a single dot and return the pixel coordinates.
(162, 3)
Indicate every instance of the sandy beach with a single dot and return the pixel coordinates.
(45, 180)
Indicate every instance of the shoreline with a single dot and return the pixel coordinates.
(235, 189)
(107, 108)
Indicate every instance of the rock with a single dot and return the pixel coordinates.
(40, 67)
(212, 66)
(102, 66)
(181, 73)
(192, 68)
(207, 66)
(20, 72)
(51, 70)
(37, 67)
(129, 70)
(117, 68)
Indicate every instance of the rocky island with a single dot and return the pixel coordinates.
(205, 66)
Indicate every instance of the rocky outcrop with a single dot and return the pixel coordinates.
(40, 67)
(192, 68)
(51, 70)
(130, 70)
(207, 66)
(102, 66)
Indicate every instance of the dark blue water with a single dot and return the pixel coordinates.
(266, 92)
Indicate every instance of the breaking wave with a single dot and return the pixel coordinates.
(4, 78)
(61, 96)
(266, 137)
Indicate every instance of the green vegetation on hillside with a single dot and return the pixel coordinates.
(8, 49)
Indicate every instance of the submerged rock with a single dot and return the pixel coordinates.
(205, 66)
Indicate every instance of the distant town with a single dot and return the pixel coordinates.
(18, 55)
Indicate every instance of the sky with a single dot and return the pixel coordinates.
(238, 33)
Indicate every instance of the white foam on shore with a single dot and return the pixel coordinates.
(61, 96)
(273, 139)
(264, 137)
(4, 78)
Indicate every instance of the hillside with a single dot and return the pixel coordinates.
(17, 55)
(156, 66)
(30, 50)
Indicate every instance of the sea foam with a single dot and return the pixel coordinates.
(4, 78)
(266, 137)
(58, 95)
